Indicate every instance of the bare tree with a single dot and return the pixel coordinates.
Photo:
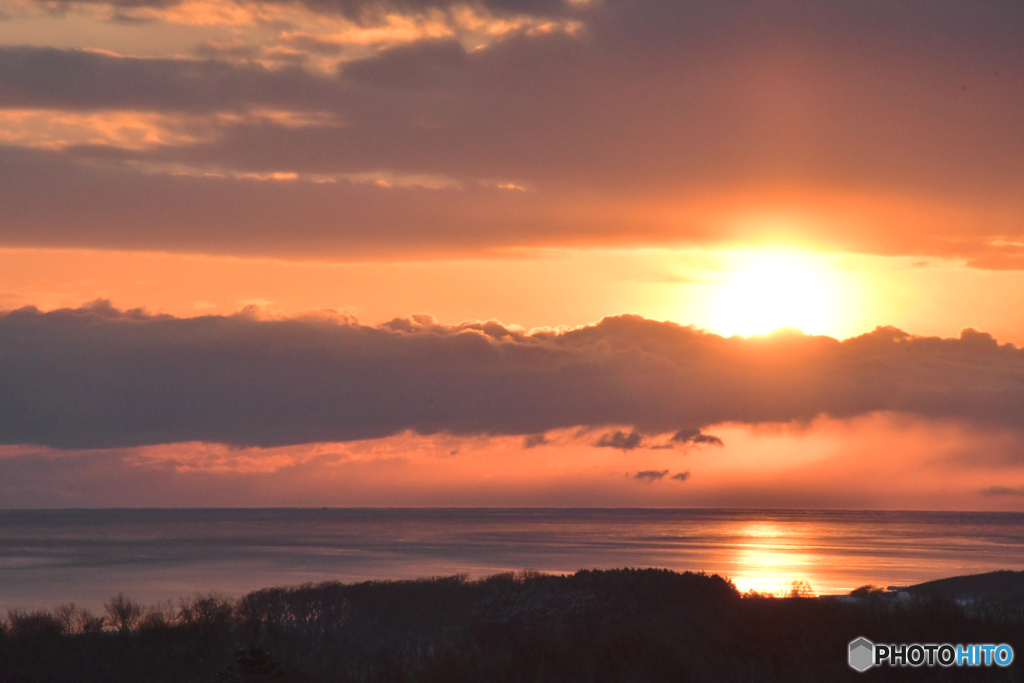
(67, 615)
(159, 616)
(38, 623)
(124, 613)
(206, 611)
(89, 622)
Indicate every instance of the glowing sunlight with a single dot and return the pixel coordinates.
(768, 290)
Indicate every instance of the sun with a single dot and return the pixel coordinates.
(768, 290)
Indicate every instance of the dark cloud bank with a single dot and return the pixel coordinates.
(97, 377)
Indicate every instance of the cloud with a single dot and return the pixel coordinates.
(99, 377)
(127, 130)
(654, 123)
(621, 440)
(681, 476)
(83, 80)
(650, 476)
(361, 9)
(628, 441)
(422, 64)
(694, 436)
(1002, 491)
(534, 440)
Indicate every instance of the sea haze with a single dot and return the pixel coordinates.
(52, 556)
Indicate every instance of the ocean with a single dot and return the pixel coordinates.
(49, 557)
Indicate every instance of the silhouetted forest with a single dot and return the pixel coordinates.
(634, 625)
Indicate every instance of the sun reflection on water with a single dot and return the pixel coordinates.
(766, 559)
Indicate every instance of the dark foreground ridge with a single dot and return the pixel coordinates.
(1001, 585)
(642, 625)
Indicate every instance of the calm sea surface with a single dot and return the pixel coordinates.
(53, 556)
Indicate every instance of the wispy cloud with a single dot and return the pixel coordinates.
(650, 476)
(695, 436)
(619, 439)
(1002, 491)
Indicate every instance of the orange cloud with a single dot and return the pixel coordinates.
(51, 129)
(134, 130)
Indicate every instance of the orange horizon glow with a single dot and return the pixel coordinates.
(730, 291)
(826, 464)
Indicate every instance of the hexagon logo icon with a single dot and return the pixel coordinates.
(862, 654)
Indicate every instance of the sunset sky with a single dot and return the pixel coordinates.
(512, 252)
